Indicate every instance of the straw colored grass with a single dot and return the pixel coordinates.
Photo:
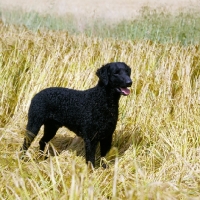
(155, 152)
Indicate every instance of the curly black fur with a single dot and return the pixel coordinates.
(91, 114)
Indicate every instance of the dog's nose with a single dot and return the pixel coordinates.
(129, 83)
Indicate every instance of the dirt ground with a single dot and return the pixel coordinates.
(109, 9)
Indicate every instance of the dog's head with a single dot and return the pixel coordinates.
(116, 75)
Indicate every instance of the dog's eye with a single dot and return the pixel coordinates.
(117, 72)
(128, 72)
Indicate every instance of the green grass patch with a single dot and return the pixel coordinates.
(164, 27)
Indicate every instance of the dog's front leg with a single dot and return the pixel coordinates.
(90, 150)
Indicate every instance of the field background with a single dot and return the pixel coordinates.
(155, 153)
(110, 9)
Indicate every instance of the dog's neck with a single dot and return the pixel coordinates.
(111, 94)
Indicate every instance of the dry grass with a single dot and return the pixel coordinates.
(155, 152)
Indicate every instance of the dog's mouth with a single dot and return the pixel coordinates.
(124, 91)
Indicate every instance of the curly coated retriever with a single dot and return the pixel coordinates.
(91, 114)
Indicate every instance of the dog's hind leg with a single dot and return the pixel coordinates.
(29, 137)
(32, 130)
(50, 129)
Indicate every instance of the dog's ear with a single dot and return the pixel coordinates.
(103, 74)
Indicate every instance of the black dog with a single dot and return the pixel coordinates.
(92, 114)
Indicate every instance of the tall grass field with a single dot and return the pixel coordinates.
(156, 146)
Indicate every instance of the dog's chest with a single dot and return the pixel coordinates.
(109, 118)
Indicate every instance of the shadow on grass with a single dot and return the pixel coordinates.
(121, 142)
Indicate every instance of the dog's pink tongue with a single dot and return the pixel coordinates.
(125, 91)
